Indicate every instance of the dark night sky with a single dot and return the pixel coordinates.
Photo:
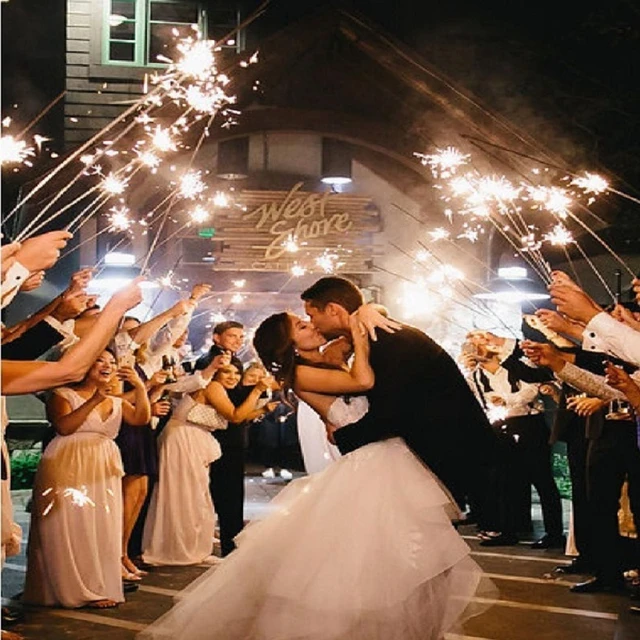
(566, 71)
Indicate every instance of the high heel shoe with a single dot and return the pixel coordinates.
(129, 576)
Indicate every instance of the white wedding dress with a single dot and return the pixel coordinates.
(364, 550)
(317, 452)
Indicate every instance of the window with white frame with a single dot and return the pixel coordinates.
(145, 32)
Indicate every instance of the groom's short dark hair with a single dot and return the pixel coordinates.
(334, 289)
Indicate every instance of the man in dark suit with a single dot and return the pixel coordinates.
(419, 394)
(226, 475)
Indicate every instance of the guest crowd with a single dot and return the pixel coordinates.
(147, 450)
(584, 374)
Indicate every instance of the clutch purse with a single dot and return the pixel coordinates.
(206, 416)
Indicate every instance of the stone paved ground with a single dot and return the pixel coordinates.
(529, 603)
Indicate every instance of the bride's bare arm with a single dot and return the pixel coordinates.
(337, 381)
(319, 402)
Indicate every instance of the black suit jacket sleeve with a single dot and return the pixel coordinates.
(204, 361)
(32, 343)
(594, 362)
(522, 371)
(421, 395)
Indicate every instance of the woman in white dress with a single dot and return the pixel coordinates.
(76, 524)
(364, 550)
(179, 529)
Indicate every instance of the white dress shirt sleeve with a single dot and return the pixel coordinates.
(13, 280)
(605, 333)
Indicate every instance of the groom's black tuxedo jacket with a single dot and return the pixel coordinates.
(421, 395)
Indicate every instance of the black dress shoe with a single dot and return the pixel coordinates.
(597, 585)
(576, 566)
(503, 540)
(129, 587)
(550, 542)
(11, 616)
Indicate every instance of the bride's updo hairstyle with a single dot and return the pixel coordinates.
(274, 346)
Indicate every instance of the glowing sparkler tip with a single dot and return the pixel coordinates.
(591, 183)
(297, 271)
(113, 185)
(14, 151)
(199, 214)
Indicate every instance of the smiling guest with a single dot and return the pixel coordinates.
(76, 527)
(180, 526)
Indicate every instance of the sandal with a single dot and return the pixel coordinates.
(129, 576)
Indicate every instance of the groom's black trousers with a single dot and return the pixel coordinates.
(226, 484)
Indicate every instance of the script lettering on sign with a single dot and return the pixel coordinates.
(302, 216)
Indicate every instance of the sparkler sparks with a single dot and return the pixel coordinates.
(14, 151)
(591, 183)
(113, 185)
(291, 244)
(221, 200)
(191, 185)
(161, 139)
(444, 162)
(439, 234)
(329, 262)
(297, 271)
(559, 236)
(119, 219)
(199, 214)
(197, 59)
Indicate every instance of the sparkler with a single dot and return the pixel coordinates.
(221, 199)
(199, 214)
(291, 244)
(14, 151)
(444, 162)
(191, 185)
(119, 218)
(113, 185)
(559, 236)
(297, 271)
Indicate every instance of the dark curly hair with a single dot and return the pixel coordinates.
(273, 343)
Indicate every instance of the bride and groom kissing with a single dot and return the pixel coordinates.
(364, 550)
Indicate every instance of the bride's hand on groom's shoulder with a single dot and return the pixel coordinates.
(369, 317)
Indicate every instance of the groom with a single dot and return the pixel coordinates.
(419, 394)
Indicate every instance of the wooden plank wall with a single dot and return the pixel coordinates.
(91, 100)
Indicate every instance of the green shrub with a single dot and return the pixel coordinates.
(561, 474)
(23, 468)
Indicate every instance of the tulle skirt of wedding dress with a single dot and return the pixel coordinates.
(364, 550)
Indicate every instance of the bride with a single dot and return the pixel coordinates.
(364, 550)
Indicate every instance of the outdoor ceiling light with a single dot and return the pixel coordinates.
(336, 162)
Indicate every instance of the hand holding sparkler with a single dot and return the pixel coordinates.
(544, 355)
(71, 305)
(573, 302)
(127, 298)
(32, 282)
(8, 257)
(585, 407)
(561, 278)
(199, 291)
(130, 375)
(43, 251)
(624, 315)
(619, 379)
(80, 279)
